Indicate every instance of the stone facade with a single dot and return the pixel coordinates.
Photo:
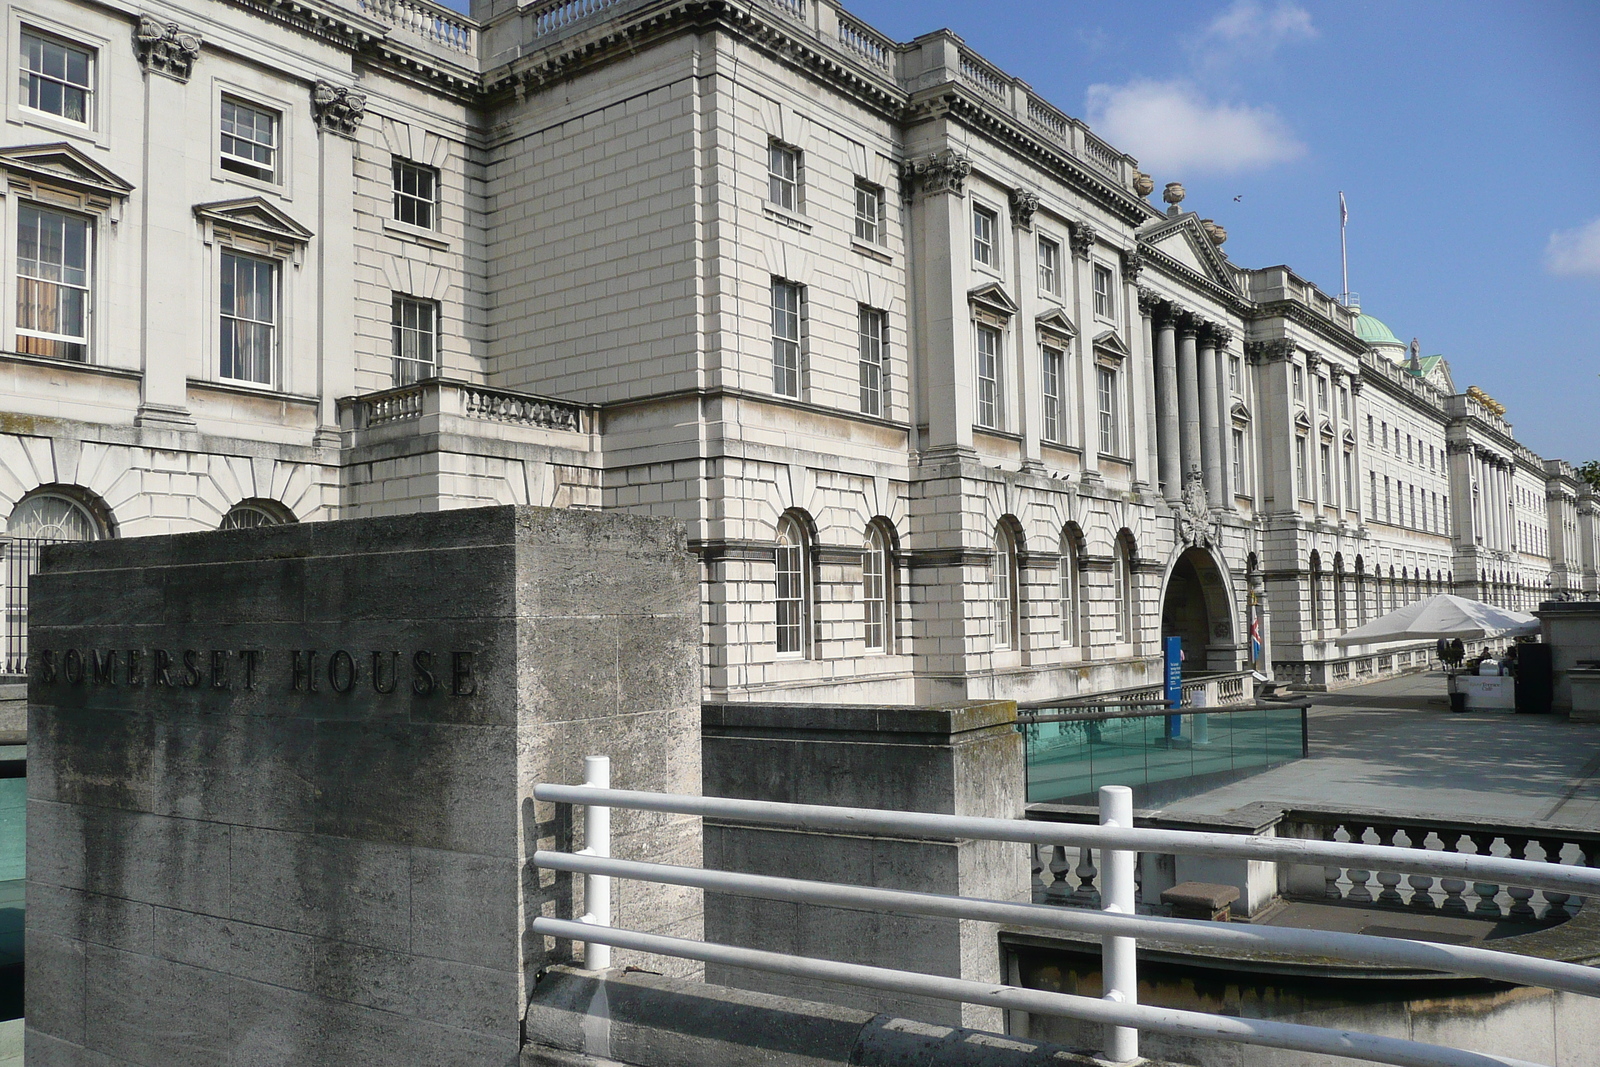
(951, 411)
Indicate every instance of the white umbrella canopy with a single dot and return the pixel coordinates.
(1442, 616)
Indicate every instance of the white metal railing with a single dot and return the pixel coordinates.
(1117, 924)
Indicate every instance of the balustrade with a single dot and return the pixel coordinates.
(554, 17)
(983, 76)
(865, 42)
(1449, 896)
(437, 396)
(432, 22)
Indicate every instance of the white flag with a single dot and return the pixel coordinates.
(1344, 212)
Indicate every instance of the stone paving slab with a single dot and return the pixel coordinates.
(1395, 746)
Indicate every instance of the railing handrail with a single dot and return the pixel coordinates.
(1531, 873)
(1356, 948)
(1118, 1009)
(1155, 709)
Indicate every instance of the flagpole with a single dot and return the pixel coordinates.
(1344, 252)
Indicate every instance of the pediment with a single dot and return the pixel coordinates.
(1056, 321)
(1108, 343)
(62, 164)
(1301, 422)
(1239, 413)
(1182, 240)
(1349, 439)
(993, 298)
(1326, 429)
(254, 215)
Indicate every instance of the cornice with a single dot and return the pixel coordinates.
(1182, 273)
(1303, 316)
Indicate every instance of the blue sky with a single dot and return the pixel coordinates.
(1465, 135)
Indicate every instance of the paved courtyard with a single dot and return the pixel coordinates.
(1395, 746)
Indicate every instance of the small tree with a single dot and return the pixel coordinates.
(1590, 472)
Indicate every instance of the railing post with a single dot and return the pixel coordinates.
(597, 842)
(1118, 962)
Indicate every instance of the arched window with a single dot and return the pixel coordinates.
(1122, 586)
(1003, 588)
(877, 589)
(793, 588)
(44, 517)
(1070, 634)
(1361, 591)
(249, 514)
(1339, 620)
(1316, 593)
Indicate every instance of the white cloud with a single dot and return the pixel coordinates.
(1574, 251)
(1248, 25)
(1174, 129)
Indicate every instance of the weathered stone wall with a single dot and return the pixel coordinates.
(962, 759)
(277, 809)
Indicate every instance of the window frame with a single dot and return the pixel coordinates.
(1122, 591)
(398, 331)
(872, 359)
(866, 188)
(1052, 395)
(398, 165)
(779, 183)
(236, 100)
(1004, 599)
(991, 399)
(783, 346)
(1049, 253)
(275, 355)
(91, 87)
(877, 569)
(1105, 299)
(102, 107)
(985, 251)
(16, 279)
(1069, 592)
(1107, 390)
(792, 557)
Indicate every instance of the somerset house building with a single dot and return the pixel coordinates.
(951, 409)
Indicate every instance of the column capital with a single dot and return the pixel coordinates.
(944, 171)
(1023, 204)
(1081, 236)
(1221, 334)
(1273, 351)
(337, 109)
(1356, 384)
(1132, 267)
(1153, 303)
(1313, 361)
(1189, 324)
(164, 47)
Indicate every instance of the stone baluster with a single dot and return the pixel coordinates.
(1389, 895)
(1483, 843)
(1521, 896)
(1421, 884)
(1039, 864)
(1086, 895)
(1453, 904)
(1059, 891)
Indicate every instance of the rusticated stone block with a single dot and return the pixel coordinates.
(280, 805)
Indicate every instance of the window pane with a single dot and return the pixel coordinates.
(988, 413)
(52, 283)
(1050, 385)
(415, 330)
(785, 339)
(55, 77)
(249, 139)
(870, 340)
(248, 301)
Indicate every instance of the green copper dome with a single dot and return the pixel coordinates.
(1375, 333)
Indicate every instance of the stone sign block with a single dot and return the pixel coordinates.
(279, 809)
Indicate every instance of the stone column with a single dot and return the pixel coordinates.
(1355, 420)
(1137, 389)
(1224, 422)
(1147, 355)
(1210, 429)
(1189, 447)
(1171, 463)
(172, 273)
(939, 240)
(1026, 370)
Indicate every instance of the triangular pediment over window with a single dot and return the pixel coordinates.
(1183, 241)
(1056, 321)
(253, 215)
(1109, 344)
(993, 299)
(1302, 423)
(63, 166)
(1240, 413)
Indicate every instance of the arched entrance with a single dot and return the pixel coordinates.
(1196, 607)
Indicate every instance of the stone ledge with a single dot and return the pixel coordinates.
(583, 1019)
